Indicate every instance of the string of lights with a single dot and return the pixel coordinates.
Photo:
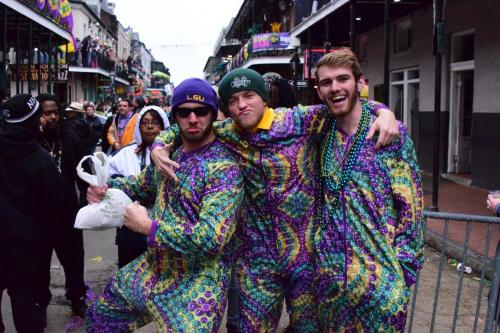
(184, 45)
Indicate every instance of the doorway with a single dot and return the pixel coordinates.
(462, 110)
(464, 85)
(461, 104)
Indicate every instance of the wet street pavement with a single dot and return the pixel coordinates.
(100, 265)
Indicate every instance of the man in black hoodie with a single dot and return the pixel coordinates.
(63, 140)
(29, 185)
(75, 132)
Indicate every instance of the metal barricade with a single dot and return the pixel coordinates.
(493, 316)
(429, 287)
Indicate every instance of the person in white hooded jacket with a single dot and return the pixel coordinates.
(129, 161)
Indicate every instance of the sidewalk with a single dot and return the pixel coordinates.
(461, 199)
(456, 198)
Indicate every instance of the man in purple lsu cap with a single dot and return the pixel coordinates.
(180, 282)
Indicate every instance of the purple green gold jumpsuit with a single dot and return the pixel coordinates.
(368, 247)
(181, 280)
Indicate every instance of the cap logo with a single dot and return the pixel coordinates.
(239, 82)
(32, 102)
(197, 98)
(21, 115)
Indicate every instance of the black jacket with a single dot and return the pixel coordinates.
(73, 134)
(66, 146)
(32, 195)
(95, 132)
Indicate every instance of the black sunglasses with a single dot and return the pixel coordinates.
(199, 112)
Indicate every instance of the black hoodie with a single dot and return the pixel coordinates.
(32, 193)
(65, 144)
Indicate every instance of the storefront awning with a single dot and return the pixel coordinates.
(369, 15)
(269, 61)
(316, 17)
(96, 70)
(119, 79)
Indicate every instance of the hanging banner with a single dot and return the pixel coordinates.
(311, 60)
(70, 46)
(41, 4)
(54, 8)
(58, 10)
(270, 41)
(66, 14)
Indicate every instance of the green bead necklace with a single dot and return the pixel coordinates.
(337, 179)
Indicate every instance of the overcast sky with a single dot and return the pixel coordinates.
(182, 33)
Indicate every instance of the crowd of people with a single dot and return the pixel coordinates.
(90, 51)
(318, 205)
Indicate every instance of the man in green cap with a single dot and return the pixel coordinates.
(278, 155)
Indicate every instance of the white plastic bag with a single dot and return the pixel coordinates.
(109, 212)
(101, 164)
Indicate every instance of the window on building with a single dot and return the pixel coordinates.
(463, 47)
(404, 97)
(403, 37)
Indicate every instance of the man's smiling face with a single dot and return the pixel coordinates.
(338, 88)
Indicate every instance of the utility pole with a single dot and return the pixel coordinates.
(438, 53)
(387, 49)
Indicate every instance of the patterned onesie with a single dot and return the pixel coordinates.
(279, 163)
(181, 280)
(369, 245)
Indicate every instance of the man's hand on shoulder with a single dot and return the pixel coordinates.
(387, 127)
(162, 161)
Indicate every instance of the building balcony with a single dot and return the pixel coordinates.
(123, 74)
(97, 63)
(92, 59)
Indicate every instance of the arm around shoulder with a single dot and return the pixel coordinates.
(216, 221)
(167, 136)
